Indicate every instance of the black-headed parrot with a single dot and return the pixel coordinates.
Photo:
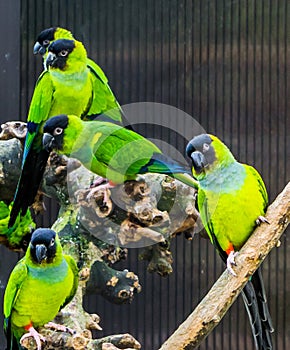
(111, 151)
(68, 86)
(232, 200)
(41, 284)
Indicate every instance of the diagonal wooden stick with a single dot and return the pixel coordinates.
(221, 296)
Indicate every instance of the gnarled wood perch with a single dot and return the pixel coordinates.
(139, 213)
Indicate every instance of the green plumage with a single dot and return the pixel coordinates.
(72, 84)
(13, 237)
(231, 198)
(110, 151)
(36, 291)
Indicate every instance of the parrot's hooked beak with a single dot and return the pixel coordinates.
(40, 252)
(38, 49)
(50, 59)
(198, 161)
(48, 142)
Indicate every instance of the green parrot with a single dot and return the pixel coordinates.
(109, 150)
(54, 33)
(67, 86)
(17, 236)
(232, 200)
(41, 284)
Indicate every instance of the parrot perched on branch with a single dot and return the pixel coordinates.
(42, 283)
(109, 150)
(67, 86)
(232, 200)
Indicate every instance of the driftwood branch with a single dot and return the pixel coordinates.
(147, 212)
(214, 306)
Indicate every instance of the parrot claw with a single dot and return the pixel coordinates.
(60, 327)
(104, 188)
(97, 181)
(231, 262)
(262, 219)
(35, 335)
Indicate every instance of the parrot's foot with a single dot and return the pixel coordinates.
(59, 327)
(98, 181)
(231, 262)
(104, 188)
(262, 219)
(35, 335)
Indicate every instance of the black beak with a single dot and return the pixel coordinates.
(40, 252)
(50, 59)
(38, 49)
(198, 161)
(48, 142)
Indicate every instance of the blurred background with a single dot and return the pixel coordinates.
(226, 63)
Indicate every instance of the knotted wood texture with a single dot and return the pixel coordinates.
(224, 292)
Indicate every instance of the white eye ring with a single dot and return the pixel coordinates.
(205, 147)
(51, 242)
(63, 53)
(57, 131)
(46, 42)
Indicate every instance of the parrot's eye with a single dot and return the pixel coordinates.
(46, 42)
(57, 131)
(205, 147)
(63, 53)
(51, 242)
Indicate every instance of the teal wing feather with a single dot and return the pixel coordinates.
(73, 266)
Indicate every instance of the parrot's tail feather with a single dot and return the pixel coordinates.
(12, 343)
(162, 164)
(29, 182)
(256, 304)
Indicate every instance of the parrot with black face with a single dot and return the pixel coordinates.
(41, 284)
(232, 200)
(68, 86)
(109, 150)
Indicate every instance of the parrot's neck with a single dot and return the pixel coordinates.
(224, 178)
(71, 76)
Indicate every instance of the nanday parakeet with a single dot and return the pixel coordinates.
(68, 86)
(42, 282)
(109, 150)
(232, 200)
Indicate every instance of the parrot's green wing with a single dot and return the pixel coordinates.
(119, 149)
(104, 105)
(97, 70)
(259, 181)
(73, 266)
(13, 287)
(39, 110)
(18, 275)
(41, 100)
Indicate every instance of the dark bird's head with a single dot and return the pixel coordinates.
(47, 36)
(43, 40)
(43, 245)
(207, 152)
(58, 53)
(53, 132)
